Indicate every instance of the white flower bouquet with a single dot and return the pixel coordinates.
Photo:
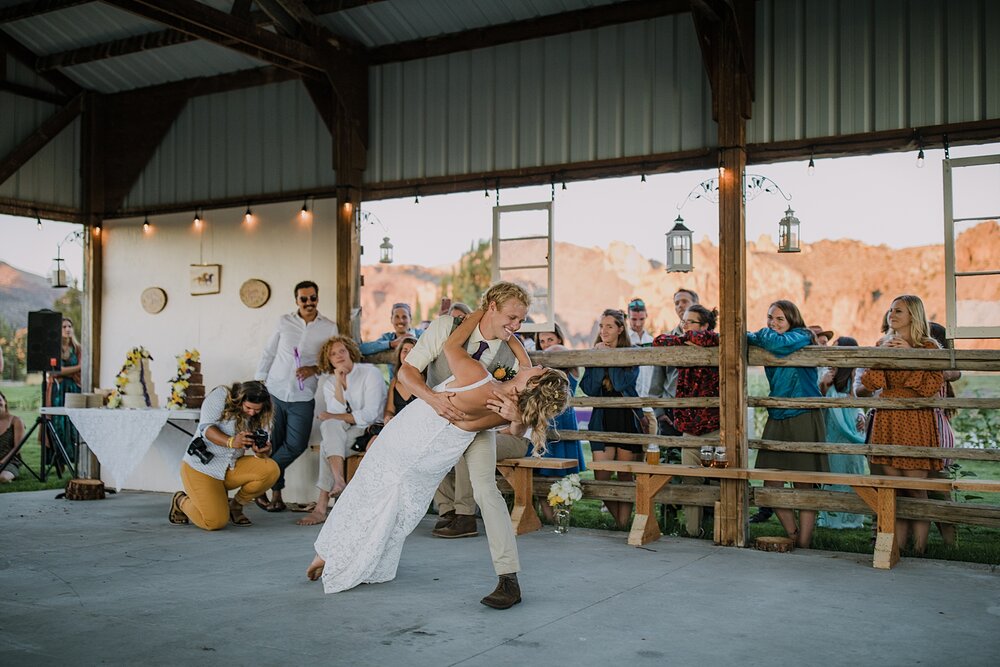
(565, 491)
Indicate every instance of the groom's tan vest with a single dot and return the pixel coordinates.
(438, 370)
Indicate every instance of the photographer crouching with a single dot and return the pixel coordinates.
(233, 423)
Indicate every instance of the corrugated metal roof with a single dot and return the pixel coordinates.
(74, 27)
(52, 176)
(618, 91)
(854, 66)
(231, 145)
(171, 63)
(395, 21)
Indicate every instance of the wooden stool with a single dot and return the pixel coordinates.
(517, 472)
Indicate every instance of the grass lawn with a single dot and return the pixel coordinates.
(24, 401)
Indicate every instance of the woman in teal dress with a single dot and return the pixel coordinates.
(842, 427)
(65, 381)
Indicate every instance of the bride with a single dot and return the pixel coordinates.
(362, 540)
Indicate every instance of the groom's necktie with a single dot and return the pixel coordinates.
(483, 346)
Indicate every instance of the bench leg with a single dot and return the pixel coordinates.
(522, 516)
(645, 529)
(883, 503)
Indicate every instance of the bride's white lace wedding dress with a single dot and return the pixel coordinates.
(362, 539)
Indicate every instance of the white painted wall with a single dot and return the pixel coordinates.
(277, 248)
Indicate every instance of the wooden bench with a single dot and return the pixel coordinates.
(518, 473)
(649, 479)
(877, 491)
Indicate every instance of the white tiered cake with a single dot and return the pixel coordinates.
(139, 392)
(134, 384)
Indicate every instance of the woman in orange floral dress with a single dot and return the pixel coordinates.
(908, 328)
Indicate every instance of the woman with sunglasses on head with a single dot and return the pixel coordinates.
(226, 454)
(786, 332)
(908, 329)
(608, 382)
(692, 382)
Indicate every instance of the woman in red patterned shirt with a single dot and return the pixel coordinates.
(696, 381)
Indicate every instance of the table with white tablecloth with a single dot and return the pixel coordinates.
(138, 452)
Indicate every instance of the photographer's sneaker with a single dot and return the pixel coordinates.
(462, 525)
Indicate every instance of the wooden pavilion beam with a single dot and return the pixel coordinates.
(212, 25)
(24, 55)
(32, 93)
(722, 41)
(517, 31)
(113, 49)
(37, 140)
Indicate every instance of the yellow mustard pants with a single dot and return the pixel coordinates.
(207, 504)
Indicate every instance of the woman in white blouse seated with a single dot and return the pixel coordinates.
(349, 397)
(218, 460)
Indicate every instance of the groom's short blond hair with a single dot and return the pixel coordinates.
(502, 292)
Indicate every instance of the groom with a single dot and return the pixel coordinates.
(506, 306)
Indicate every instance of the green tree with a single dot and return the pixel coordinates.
(473, 275)
(13, 349)
(70, 304)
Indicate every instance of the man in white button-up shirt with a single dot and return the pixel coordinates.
(288, 366)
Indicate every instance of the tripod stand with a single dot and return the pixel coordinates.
(48, 433)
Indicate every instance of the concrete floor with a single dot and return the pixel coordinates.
(111, 582)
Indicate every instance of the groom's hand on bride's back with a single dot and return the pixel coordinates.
(441, 402)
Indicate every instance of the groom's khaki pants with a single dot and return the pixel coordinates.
(474, 482)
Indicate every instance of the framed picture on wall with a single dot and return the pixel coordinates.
(205, 279)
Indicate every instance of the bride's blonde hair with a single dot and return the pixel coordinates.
(543, 398)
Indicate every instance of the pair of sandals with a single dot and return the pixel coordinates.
(267, 506)
(177, 517)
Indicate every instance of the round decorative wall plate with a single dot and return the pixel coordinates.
(153, 299)
(254, 293)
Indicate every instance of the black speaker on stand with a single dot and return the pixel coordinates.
(45, 356)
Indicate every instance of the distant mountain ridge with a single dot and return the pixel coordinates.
(22, 292)
(844, 285)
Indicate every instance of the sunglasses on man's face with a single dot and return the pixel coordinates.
(308, 299)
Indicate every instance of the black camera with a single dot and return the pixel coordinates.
(198, 449)
(259, 438)
(361, 443)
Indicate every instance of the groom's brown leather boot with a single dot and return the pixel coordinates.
(462, 525)
(444, 519)
(506, 595)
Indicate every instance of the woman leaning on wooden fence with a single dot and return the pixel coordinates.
(908, 328)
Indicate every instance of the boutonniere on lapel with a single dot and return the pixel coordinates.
(504, 373)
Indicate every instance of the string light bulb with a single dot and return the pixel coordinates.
(145, 224)
(97, 229)
(920, 159)
(722, 172)
(811, 169)
(197, 219)
(642, 181)
(38, 221)
(248, 215)
(416, 196)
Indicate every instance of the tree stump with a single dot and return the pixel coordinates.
(776, 544)
(84, 489)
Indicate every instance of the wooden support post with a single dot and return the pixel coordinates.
(725, 37)
(883, 503)
(522, 516)
(644, 527)
(93, 181)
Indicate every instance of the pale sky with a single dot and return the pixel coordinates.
(882, 199)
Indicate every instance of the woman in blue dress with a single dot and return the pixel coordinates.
(555, 341)
(842, 427)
